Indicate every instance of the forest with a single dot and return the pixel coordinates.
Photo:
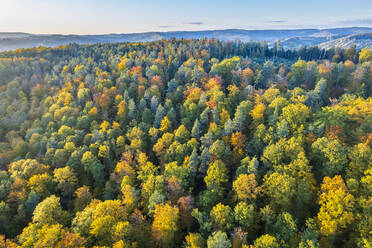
(185, 143)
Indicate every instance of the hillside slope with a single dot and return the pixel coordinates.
(359, 40)
(292, 38)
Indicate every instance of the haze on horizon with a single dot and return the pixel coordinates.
(115, 16)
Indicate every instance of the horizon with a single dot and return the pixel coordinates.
(201, 30)
(83, 17)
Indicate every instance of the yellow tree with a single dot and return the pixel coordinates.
(246, 187)
(165, 223)
(365, 55)
(295, 115)
(238, 140)
(166, 125)
(194, 240)
(336, 206)
(258, 112)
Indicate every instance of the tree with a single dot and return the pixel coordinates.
(194, 240)
(298, 72)
(318, 97)
(248, 166)
(222, 217)
(228, 128)
(242, 112)
(238, 141)
(166, 125)
(102, 229)
(258, 112)
(310, 236)
(329, 156)
(49, 211)
(182, 134)
(6, 243)
(336, 206)
(161, 146)
(100, 219)
(225, 67)
(295, 115)
(130, 194)
(193, 163)
(246, 187)
(185, 206)
(42, 184)
(5, 183)
(155, 199)
(5, 218)
(220, 150)
(365, 55)
(94, 167)
(360, 157)
(216, 176)
(266, 241)
(244, 214)
(83, 198)
(195, 132)
(50, 236)
(83, 219)
(280, 189)
(26, 168)
(285, 228)
(159, 115)
(218, 240)
(364, 219)
(66, 180)
(165, 224)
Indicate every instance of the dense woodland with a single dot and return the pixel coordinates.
(185, 143)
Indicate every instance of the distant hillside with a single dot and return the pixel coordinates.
(13, 35)
(291, 38)
(295, 42)
(359, 40)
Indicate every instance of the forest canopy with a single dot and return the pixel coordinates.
(185, 143)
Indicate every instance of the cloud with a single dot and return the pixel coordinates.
(194, 23)
(166, 26)
(278, 21)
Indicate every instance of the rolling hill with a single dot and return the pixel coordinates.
(290, 38)
(359, 40)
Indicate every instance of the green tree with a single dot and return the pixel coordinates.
(220, 150)
(182, 134)
(50, 211)
(216, 176)
(285, 228)
(66, 180)
(280, 189)
(218, 240)
(244, 214)
(330, 156)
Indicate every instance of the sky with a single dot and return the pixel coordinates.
(122, 16)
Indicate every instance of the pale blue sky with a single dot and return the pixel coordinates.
(122, 16)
